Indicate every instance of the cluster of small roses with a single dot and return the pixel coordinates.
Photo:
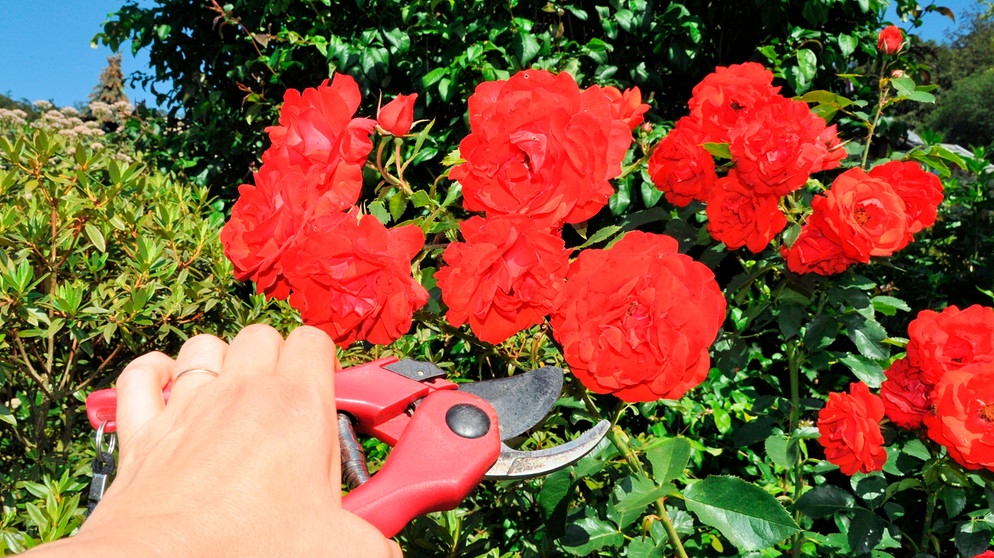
(864, 215)
(775, 144)
(297, 232)
(944, 383)
(635, 319)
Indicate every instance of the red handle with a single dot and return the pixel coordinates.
(432, 468)
(441, 452)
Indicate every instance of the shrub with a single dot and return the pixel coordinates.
(102, 260)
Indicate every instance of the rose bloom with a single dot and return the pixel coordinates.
(985, 554)
(890, 40)
(627, 105)
(680, 167)
(777, 146)
(351, 277)
(397, 116)
(638, 318)
(739, 216)
(849, 425)
(813, 252)
(920, 190)
(963, 416)
(507, 275)
(950, 340)
(906, 398)
(318, 135)
(540, 146)
(863, 215)
(264, 221)
(723, 96)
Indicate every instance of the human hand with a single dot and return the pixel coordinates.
(243, 464)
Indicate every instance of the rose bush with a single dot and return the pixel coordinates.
(533, 245)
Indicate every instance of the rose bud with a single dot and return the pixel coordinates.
(397, 117)
(890, 40)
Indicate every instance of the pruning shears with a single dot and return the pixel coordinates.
(446, 437)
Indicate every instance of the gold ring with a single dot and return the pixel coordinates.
(194, 371)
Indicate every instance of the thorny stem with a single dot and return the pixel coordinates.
(794, 358)
(616, 436)
(876, 117)
(927, 527)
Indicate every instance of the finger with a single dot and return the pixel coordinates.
(308, 355)
(253, 352)
(198, 354)
(308, 359)
(139, 393)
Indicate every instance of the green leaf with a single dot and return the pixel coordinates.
(526, 47)
(821, 332)
(847, 44)
(669, 459)
(865, 530)
(37, 517)
(903, 84)
(555, 487)
(601, 235)
(889, 305)
(95, 236)
(824, 500)
(378, 210)
(807, 67)
(745, 514)
(867, 370)
(720, 150)
(867, 334)
(972, 538)
(420, 199)
(6, 416)
(631, 496)
(590, 534)
(782, 450)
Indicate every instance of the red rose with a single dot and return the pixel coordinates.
(963, 416)
(850, 430)
(777, 145)
(265, 220)
(920, 190)
(627, 105)
(813, 252)
(723, 96)
(738, 216)
(941, 342)
(508, 275)
(318, 135)
(397, 116)
(539, 146)
(890, 40)
(681, 167)
(638, 318)
(986, 554)
(351, 277)
(906, 398)
(863, 215)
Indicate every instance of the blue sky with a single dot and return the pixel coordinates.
(46, 52)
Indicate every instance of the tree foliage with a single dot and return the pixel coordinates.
(226, 67)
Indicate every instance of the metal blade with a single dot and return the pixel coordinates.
(522, 400)
(513, 464)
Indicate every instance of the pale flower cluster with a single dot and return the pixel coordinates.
(13, 117)
(69, 123)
